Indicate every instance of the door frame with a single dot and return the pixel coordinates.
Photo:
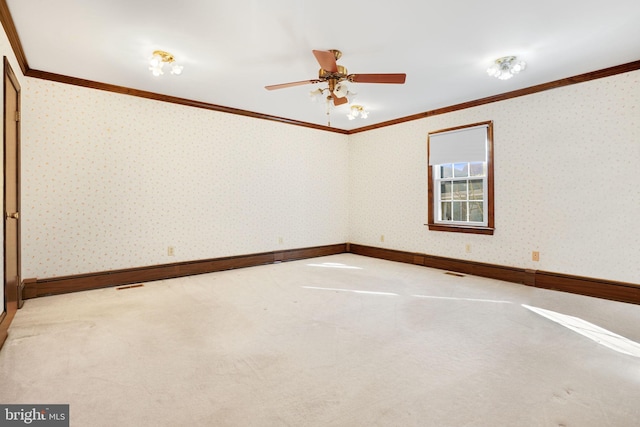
(12, 297)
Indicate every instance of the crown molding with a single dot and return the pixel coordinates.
(12, 35)
(16, 45)
(45, 75)
(581, 78)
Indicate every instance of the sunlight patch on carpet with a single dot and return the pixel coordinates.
(355, 291)
(596, 333)
(334, 265)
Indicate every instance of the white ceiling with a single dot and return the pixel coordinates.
(232, 49)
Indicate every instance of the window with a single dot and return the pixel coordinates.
(461, 179)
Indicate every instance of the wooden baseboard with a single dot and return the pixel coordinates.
(509, 274)
(599, 288)
(59, 285)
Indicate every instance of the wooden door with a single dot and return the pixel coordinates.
(12, 277)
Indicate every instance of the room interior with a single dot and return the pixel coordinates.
(190, 183)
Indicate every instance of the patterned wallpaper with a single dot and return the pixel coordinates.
(111, 181)
(566, 164)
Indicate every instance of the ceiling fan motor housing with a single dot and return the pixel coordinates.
(341, 74)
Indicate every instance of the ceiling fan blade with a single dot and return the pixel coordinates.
(339, 101)
(378, 78)
(327, 60)
(283, 85)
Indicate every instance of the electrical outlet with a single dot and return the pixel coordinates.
(382, 237)
(171, 251)
(467, 248)
(535, 256)
(280, 240)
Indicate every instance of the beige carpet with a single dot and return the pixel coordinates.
(334, 341)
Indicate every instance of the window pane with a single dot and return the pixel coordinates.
(476, 169)
(445, 190)
(459, 211)
(475, 212)
(460, 190)
(446, 211)
(476, 191)
(461, 170)
(446, 171)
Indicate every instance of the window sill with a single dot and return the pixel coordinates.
(460, 229)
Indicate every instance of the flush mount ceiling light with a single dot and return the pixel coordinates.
(506, 67)
(357, 111)
(159, 58)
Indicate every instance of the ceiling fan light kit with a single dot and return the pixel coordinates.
(506, 67)
(157, 61)
(340, 92)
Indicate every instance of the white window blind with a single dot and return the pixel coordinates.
(458, 146)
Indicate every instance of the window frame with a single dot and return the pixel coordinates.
(432, 209)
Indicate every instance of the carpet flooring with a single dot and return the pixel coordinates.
(342, 340)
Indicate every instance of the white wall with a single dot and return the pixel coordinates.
(111, 181)
(566, 182)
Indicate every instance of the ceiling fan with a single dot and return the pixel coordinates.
(335, 74)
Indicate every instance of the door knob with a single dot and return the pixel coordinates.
(15, 215)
